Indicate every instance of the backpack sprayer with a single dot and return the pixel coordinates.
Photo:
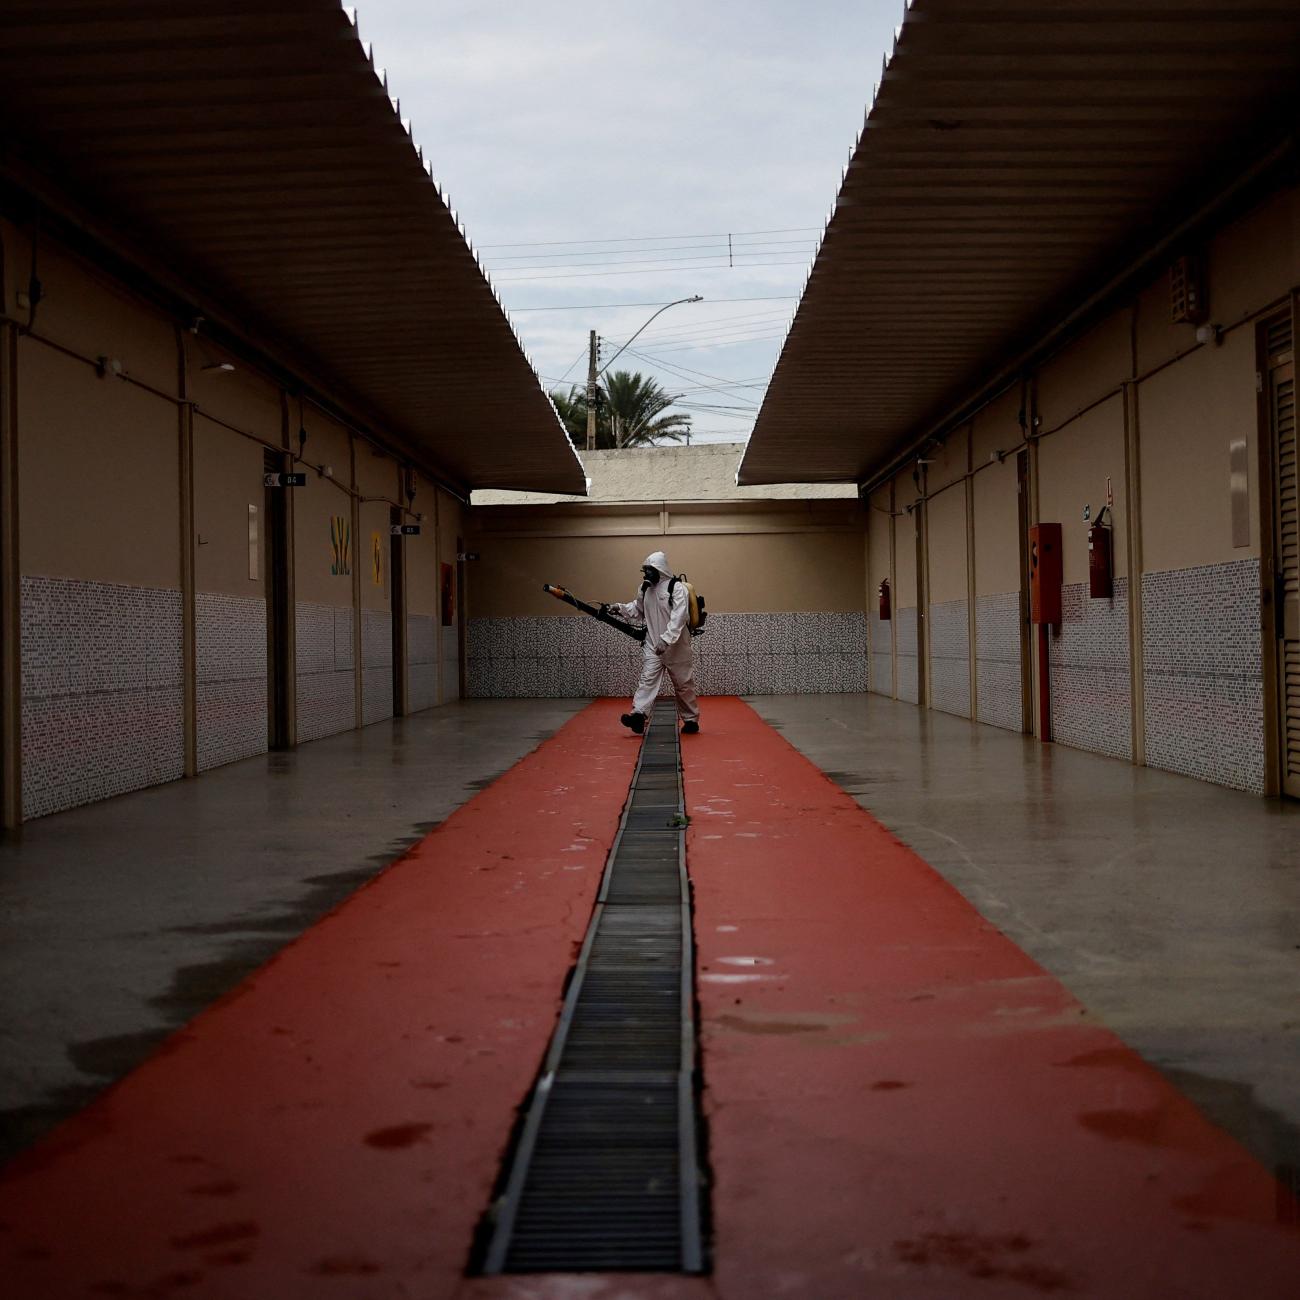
(695, 606)
(596, 611)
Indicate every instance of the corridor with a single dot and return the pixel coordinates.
(915, 1083)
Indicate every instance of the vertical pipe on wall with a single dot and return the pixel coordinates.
(11, 700)
(397, 603)
(358, 677)
(439, 696)
(972, 623)
(189, 636)
(867, 594)
(282, 590)
(893, 590)
(921, 512)
(1133, 547)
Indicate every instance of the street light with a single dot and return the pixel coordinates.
(696, 298)
(593, 374)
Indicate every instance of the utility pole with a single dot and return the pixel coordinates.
(592, 349)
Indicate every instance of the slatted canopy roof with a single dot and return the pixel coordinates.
(252, 149)
(1018, 155)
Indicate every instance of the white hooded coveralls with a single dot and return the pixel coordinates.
(666, 626)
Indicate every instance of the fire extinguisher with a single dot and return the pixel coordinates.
(884, 601)
(1100, 585)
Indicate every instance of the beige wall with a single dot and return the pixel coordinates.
(87, 312)
(905, 494)
(946, 527)
(422, 555)
(227, 480)
(99, 475)
(752, 572)
(1189, 413)
(1085, 371)
(314, 506)
(376, 478)
(878, 526)
(996, 430)
(1073, 465)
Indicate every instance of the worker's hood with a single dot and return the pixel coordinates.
(658, 560)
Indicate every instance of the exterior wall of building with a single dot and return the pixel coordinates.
(423, 632)
(99, 552)
(1090, 682)
(452, 529)
(229, 566)
(783, 584)
(1170, 669)
(142, 521)
(880, 632)
(948, 577)
(326, 567)
(377, 481)
(995, 433)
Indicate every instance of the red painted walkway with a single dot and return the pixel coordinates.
(901, 1103)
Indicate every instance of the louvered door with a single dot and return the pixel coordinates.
(1286, 545)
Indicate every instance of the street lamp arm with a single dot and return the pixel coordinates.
(695, 298)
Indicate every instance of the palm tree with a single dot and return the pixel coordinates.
(631, 411)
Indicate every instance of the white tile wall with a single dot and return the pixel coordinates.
(101, 684)
(230, 647)
(950, 657)
(997, 660)
(738, 654)
(1088, 662)
(1202, 665)
(326, 685)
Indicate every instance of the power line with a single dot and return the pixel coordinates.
(573, 363)
(714, 249)
(719, 325)
(605, 306)
(720, 343)
(637, 260)
(700, 374)
(643, 270)
(643, 239)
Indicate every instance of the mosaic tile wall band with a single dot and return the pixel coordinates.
(739, 654)
(997, 660)
(880, 663)
(1202, 662)
(230, 645)
(950, 657)
(376, 665)
(1091, 682)
(325, 681)
(908, 664)
(421, 662)
(101, 686)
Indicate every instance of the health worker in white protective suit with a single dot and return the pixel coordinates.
(667, 646)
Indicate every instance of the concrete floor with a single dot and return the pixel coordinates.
(1169, 907)
(121, 920)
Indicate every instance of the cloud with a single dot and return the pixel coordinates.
(554, 121)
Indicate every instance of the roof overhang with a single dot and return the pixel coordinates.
(254, 153)
(1020, 165)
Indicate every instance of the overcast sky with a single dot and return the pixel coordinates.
(601, 154)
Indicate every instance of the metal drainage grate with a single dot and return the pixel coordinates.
(605, 1175)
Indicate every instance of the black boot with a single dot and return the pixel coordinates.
(634, 721)
(691, 727)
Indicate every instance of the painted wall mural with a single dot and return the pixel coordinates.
(340, 546)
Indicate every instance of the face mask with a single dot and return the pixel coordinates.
(650, 574)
